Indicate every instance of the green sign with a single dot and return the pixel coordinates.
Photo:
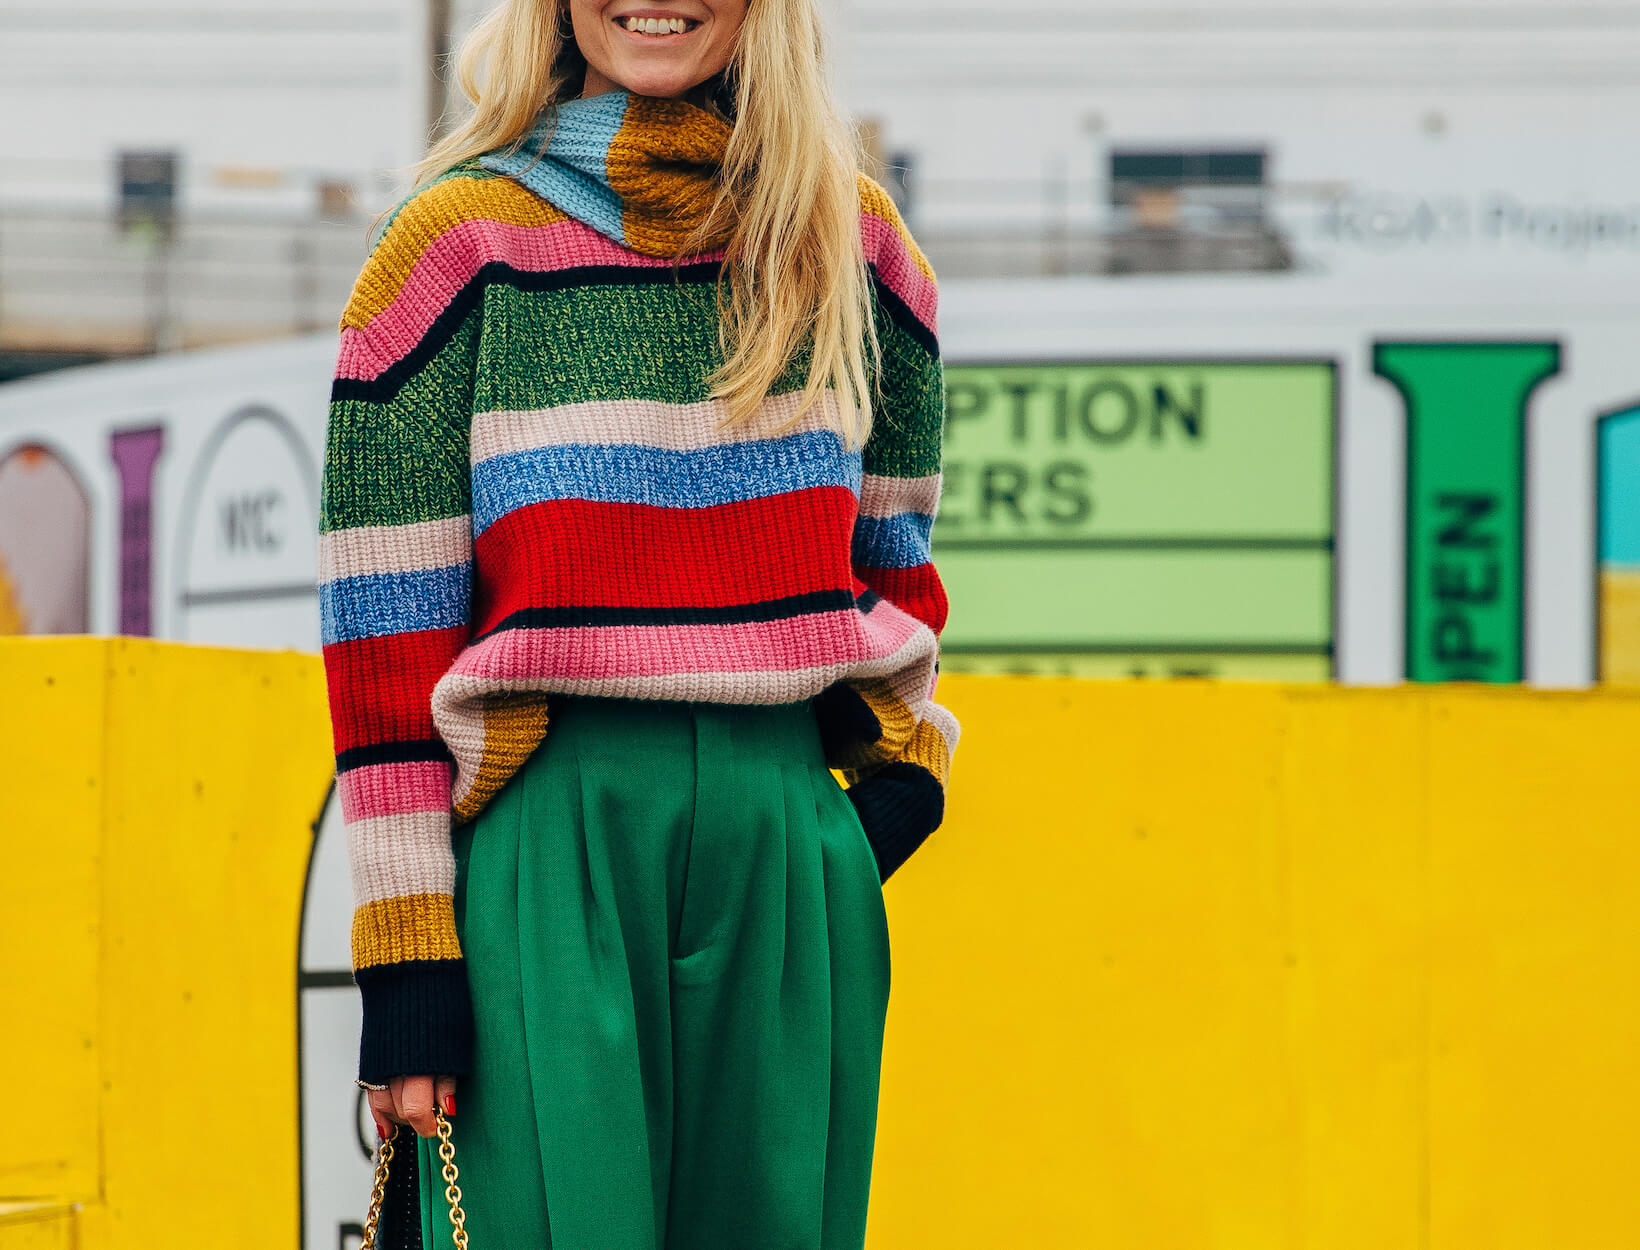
(1465, 499)
(1168, 517)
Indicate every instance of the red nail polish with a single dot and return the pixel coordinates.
(380, 1131)
(449, 1104)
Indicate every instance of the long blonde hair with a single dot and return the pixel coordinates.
(795, 277)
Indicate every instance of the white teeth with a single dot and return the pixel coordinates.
(656, 25)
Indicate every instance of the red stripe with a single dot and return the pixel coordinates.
(585, 553)
(380, 687)
(918, 591)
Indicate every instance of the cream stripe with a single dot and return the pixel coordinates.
(395, 548)
(458, 700)
(910, 681)
(942, 719)
(888, 496)
(907, 668)
(396, 856)
(638, 422)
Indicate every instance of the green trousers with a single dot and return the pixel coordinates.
(678, 953)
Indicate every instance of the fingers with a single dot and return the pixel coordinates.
(446, 1092)
(409, 1100)
(413, 1102)
(381, 1110)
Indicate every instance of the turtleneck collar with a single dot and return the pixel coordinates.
(640, 170)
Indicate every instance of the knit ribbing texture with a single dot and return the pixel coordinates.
(528, 488)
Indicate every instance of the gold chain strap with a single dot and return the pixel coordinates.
(452, 1191)
(384, 1156)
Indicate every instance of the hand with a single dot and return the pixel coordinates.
(409, 1100)
(899, 805)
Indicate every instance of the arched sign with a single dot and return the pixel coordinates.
(45, 545)
(337, 1137)
(247, 547)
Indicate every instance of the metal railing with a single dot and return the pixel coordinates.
(71, 281)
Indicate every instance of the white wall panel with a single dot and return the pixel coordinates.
(308, 92)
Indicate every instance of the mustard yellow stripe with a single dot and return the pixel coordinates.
(904, 737)
(875, 200)
(898, 722)
(424, 220)
(662, 163)
(929, 749)
(514, 723)
(412, 926)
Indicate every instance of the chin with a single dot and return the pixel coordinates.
(658, 83)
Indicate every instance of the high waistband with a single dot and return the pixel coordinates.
(780, 731)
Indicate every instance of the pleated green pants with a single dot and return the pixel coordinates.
(679, 962)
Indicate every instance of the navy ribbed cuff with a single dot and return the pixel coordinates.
(899, 805)
(418, 1020)
(846, 722)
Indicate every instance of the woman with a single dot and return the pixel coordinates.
(633, 456)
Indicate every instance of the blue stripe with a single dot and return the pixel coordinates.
(627, 473)
(574, 175)
(378, 604)
(897, 542)
(1620, 490)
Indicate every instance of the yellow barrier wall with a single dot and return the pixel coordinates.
(159, 801)
(1189, 965)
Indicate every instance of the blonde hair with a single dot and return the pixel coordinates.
(794, 277)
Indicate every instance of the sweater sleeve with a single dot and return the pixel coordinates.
(395, 594)
(887, 734)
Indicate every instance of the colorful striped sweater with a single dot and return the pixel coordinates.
(526, 491)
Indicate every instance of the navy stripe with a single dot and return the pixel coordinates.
(899, 312)
(418, 1018)
(899, 805)
(730, 614)
(386, 387)
(415, 751)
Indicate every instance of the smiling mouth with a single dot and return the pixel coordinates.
(657, 27)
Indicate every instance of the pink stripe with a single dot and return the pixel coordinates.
(452, 260)
(393, 789)
(658, 650)
(899, 271)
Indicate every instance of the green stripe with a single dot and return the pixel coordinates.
(905, 433)
(405, 461)
(543, 349)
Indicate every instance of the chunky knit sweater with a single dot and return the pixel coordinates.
(528, 490)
